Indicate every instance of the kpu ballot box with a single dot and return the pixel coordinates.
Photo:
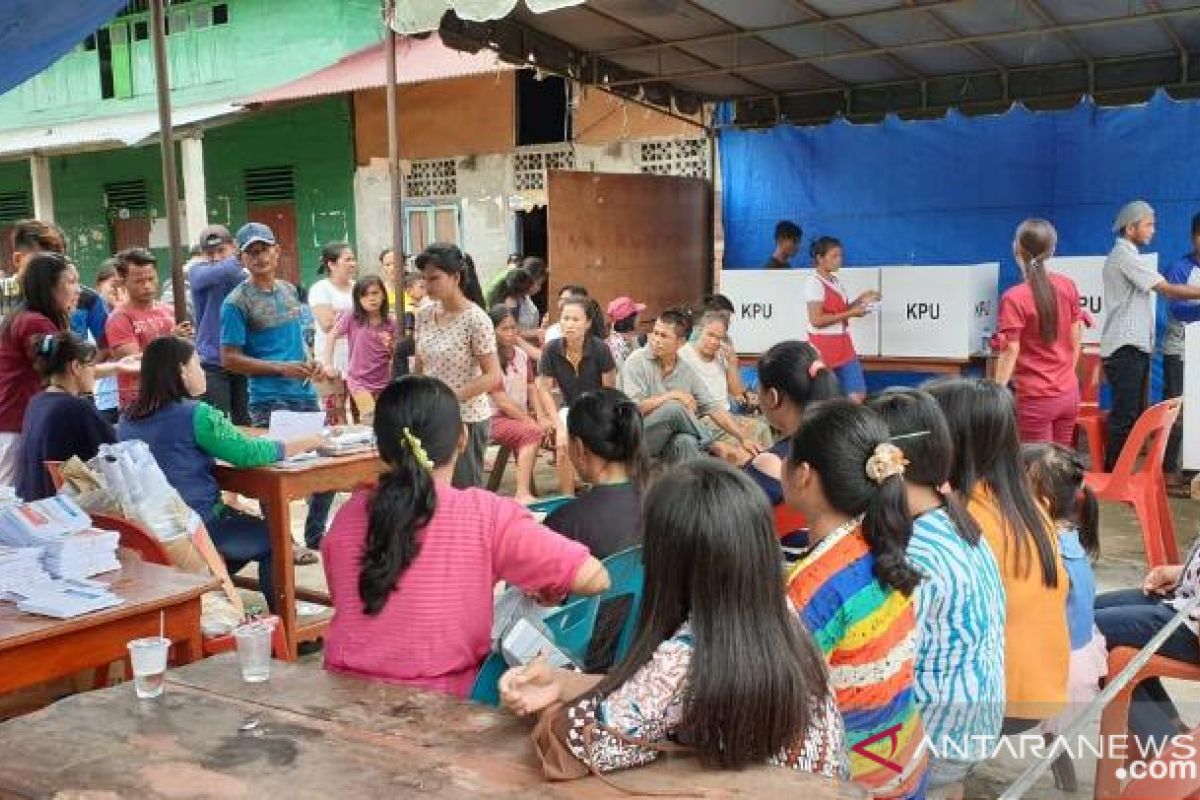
(937, 312)
(1087, 273)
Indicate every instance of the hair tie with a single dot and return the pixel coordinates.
(886, 461)
(418, 451)
(815, 367)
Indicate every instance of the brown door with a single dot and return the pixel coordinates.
(281, 219)
(131, 232)
(646, 236)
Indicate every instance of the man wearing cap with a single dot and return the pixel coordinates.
(623, 312)
(261, 337)
(211, 280)
(1127, 340)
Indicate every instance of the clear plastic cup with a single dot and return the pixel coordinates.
(148, 657)
(254, 650)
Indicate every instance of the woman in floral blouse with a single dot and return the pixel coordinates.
(708, 618)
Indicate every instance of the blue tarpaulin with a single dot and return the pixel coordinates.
(36, 33)
(953, 190)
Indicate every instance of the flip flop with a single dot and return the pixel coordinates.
(303, 557)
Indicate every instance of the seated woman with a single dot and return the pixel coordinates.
(186, 436)
(790, 377)
(606, 448)
(708, 615)
(412, 564)
(520, 422)
(854, 587)
(61, 421)
(718, 368)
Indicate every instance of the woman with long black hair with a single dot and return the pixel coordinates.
(960, 604)
(989, 473)
(1039, 329)
(412, 564)
(854, 587)
(718, 661)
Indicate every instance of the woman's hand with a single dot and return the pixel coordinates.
(547, 424)
(1161, 580)
(528, 689)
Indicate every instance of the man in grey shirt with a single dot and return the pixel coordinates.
(671, 395)
(1127, 340)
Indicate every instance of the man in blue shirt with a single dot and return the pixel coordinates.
(1185, 270)
(261, 338)
(211, 280)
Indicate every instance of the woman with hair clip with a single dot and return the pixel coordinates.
(607, 450)
(330, 299)
(1039, 331)
(62, 421)
(960, 602)
(987, 471)
(411, 564)
(854, 587)
(791, 376)
(829, 313)
(456, 344)
(708, 620)
(187, 436)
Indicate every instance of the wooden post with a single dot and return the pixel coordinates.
(397, 199)
(162, 81)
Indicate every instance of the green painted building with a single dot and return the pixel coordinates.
(292, 167)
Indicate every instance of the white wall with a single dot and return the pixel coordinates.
(372, 213)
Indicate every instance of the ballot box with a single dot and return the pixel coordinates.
(1087, 272)
(937, 312)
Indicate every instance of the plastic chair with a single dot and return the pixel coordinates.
(215, 645)
(54, 469)
(1114, 722)
(788, 520)
(1143, 487)
(135, 537)
(1092, 420)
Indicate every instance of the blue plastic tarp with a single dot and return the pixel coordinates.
(36, 33)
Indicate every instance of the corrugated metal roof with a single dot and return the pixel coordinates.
(417, 61)
(128, 130)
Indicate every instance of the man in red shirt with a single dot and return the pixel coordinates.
(142, 319)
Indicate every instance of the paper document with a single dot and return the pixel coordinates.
(287, 425)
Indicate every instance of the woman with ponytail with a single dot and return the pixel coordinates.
(62, 421)
(960, 603)
(606, 446)
(1038, 334)
(854, 586)
(411, 564)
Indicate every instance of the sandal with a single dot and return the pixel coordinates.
(303, 557)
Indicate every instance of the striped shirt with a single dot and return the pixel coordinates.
(867, 633)
(960, 639)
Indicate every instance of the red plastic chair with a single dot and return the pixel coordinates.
(1143, 487)
(788, 520)
(54, 468)
(136, 538)
(1092, 420)
(1114, 727)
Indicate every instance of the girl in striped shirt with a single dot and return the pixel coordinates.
(960, 603)
(854, 587)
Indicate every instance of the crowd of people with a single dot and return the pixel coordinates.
(938, 591)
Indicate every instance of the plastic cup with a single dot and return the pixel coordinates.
(254, 650)
(148, 657)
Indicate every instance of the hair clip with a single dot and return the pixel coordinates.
(815, 367)
(886, 461)
(902, 436)
(46, 345)
(418, 450)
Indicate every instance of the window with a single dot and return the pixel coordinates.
(270, 184)
(220, 14)
(141, 31)
(531, 163)
(542, 109)
(127, 198)
(15, 206)
(686, 158)
(432, 178)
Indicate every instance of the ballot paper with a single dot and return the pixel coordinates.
(20, 570)
(64, 599)
(287, 425)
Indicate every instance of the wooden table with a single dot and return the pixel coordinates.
(35, 649)
(933, 366)
(309, 734)
(275, 487)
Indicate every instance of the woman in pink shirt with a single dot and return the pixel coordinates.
(1037, 340)
(412, 564)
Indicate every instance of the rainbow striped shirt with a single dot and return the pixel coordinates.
(867, 632)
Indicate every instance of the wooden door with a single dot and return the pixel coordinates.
(130, 232)
(281, 219)
(645, 236)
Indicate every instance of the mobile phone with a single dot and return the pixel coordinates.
(524, 641)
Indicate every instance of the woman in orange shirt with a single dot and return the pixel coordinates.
(987, 471)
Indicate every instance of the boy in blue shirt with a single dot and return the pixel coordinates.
(1185, 270)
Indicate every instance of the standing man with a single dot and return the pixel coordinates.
(261, 337)
(1184, 271)
(672, 396)
(787, 244)
(142, 319)
(1127, 340)
(211, 280)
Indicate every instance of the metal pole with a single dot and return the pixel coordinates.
(397, 204)
(167, 139)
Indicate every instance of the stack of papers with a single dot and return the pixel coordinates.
(21, 571)
(82, 555)
(68, 598)
(34, 524)
(349, 441)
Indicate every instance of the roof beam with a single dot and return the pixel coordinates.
(787, 26)
(954, 33)
(858, 38)
(1095, 24)
(1048, 19)
(1173, 35)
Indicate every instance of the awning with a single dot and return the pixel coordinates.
(417, 60)
(128, 130)
(36, 33)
